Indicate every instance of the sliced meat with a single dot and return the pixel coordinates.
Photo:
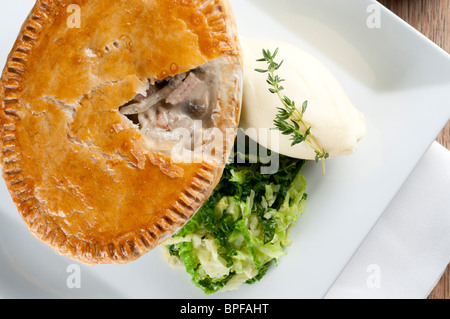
(184, 90)
(166, 108)
(154, 97)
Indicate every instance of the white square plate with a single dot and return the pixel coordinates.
(394, 75)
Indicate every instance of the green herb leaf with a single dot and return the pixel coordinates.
(299, 130)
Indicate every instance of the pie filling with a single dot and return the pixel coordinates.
(179, 109)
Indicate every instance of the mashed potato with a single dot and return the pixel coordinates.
(336, 123)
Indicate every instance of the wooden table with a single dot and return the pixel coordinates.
(432, 18)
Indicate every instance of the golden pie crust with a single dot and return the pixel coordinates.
(82, 181)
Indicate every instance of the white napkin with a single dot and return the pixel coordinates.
(408, 250)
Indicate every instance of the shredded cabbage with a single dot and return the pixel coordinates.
(243, 228)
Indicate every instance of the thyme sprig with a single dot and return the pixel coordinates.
(289, 119)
